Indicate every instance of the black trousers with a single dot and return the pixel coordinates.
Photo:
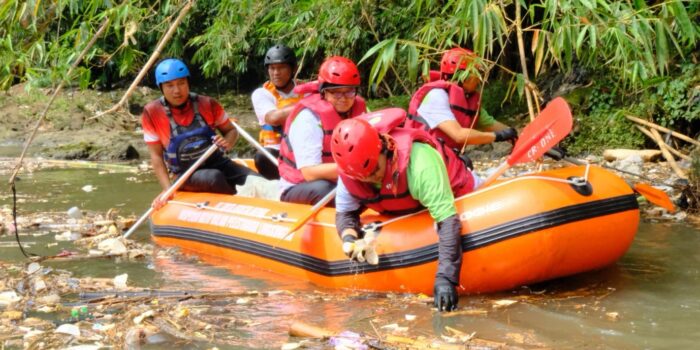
(265, 167)
(219, 174)
(309, 192)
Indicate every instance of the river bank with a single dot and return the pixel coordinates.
(72, 130)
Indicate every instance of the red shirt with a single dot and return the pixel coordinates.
(156, 127)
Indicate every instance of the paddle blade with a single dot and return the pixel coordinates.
(550, 127)
(655, 196)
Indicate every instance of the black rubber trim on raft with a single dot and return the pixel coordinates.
(475, 240)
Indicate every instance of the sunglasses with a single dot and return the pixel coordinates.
(338, 94)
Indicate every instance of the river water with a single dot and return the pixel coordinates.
(650, 299)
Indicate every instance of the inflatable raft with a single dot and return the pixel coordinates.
(515, 232)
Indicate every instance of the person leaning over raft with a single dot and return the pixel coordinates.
(447, 109)
(306, 167)
(397, 172)
(180, 126)
(272, 104)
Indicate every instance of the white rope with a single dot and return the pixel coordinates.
(274, 218)
(576, 181)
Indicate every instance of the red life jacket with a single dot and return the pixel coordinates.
(394, 198)
(464, 108)
(329, 119)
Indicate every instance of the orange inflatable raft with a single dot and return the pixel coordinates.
(515, 232)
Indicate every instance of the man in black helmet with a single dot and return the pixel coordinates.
(272, 104)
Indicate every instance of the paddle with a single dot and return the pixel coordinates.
(653, 195)
(174, 187)
(315, 209)
(551, 126)
(255, 144)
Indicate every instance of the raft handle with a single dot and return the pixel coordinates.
(580, 185)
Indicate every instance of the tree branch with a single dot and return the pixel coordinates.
(154, 56)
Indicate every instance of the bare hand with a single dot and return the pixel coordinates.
(222, 143)
(160, 200)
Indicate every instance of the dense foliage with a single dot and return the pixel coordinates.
(646, 49)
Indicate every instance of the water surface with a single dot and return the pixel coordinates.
(650, 299)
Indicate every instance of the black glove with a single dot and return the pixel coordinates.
(556, 153)
(466, 160)
(509, 134)
(445, 295)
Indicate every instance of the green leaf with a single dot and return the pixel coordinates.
(520, 83)
(374, 49)
(579, 40)
(681, 17)
(412, 62)
(661, 46)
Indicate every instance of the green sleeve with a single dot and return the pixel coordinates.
(428, 182)
(485, 120)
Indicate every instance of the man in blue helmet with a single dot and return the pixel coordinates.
(180, 126)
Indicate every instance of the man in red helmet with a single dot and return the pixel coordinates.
(395, 170)
(306, 168)
(451, 111)
(180, 126)
(273, 102)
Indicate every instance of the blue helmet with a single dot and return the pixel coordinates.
(171, 69)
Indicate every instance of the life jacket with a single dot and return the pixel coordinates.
(329, 119)
(272, 135)
(187, 143)
(393, 197)
(465, 109)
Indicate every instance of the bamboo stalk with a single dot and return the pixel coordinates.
(671, 149)
(669, 157)
(151, 60)
(661, 128)
(523, 64)
(42, 116)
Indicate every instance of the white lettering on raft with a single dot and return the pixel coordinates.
(241, 209)
(480, 211)
(234, 222)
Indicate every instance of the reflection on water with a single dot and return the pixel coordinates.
(649, 299)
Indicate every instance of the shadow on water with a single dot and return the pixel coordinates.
(649, 299)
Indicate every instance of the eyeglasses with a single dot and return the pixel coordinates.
(340, 94)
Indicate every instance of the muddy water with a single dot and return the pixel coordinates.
(649, 300)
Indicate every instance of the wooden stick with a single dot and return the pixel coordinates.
(661, 128)
(301, 329)
(671, 149)
(42, 116)
(151, 60)
(669, 157)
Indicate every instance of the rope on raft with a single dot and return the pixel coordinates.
(576, 181)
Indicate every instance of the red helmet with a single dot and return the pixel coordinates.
(338, 70)
(454, 59)
(356, 146)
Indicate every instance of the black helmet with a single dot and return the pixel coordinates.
(280, 54)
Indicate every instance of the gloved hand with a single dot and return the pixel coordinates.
(556, 153)
(445, 295)
(509, 134)
(466, 160)
(361, 249)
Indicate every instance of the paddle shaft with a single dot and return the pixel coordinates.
(255, 144)
(174, 187)
(315, 209)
